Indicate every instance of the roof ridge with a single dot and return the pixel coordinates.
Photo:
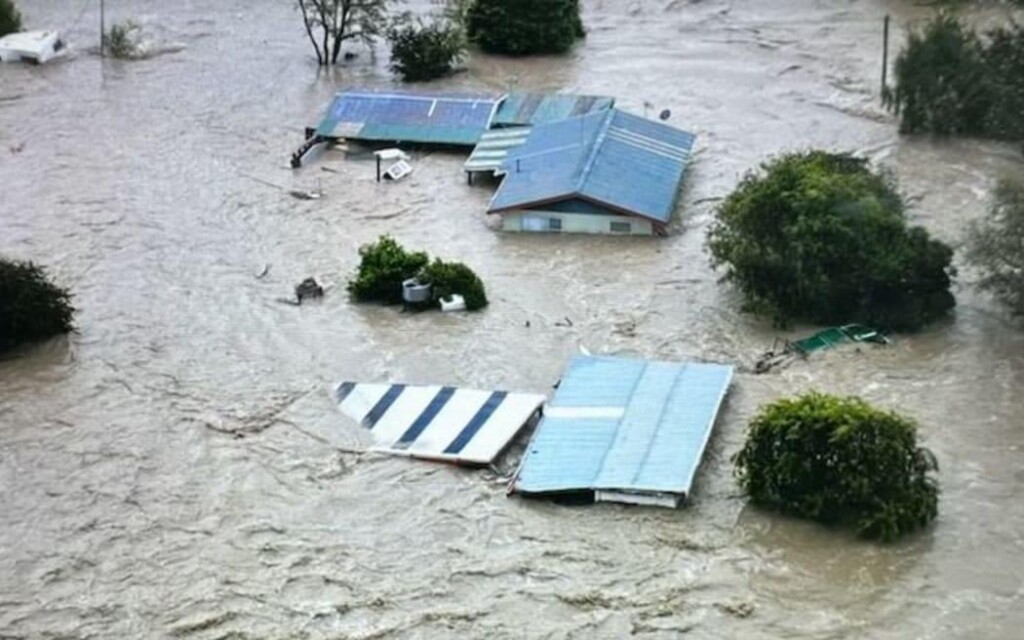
(595, 148)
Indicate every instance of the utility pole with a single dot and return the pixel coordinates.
(103, 29)
(885, 52)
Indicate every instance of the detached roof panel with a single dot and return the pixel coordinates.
(621, 161)
(443, 118)
(467, 426)
(627, 430)
(537, 108)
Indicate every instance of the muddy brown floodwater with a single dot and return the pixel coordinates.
(177, 469)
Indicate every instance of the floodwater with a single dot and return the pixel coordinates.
(177, 469)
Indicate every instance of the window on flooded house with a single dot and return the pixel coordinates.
(621, 227)
(554, 224)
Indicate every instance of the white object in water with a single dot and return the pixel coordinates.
(454, 302)
(391, 154)
(38, 47)
(398, 170)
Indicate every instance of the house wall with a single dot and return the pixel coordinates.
(537, 221)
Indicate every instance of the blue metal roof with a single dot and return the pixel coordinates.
(394, 116)
(494, 145)
(621, 162)
(537, 108)
(623, 427)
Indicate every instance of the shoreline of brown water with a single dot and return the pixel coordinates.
(126, 513)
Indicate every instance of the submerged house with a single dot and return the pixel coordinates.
(603, 172)
(624, 430)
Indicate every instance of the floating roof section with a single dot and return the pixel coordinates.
(537, 108)
(395, 116)
(494, 146)
(622, 162)
(466, 426)
(628, 430)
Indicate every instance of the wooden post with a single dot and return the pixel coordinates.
(103, 29)
(378, 168)
(885, 52)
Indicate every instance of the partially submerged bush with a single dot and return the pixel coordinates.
(123, 40)
(839, 461)
(384, 265)
(31, 307)
(450, 278)
(10, 18)
(996, 246)
(523, 27)
(818, 236)
(425, 51)
(951, 81)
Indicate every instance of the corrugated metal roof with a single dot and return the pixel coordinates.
(537, 108)
(494, 145)
(467, 426)
(628, 430)
(622, 162)
(393, 116)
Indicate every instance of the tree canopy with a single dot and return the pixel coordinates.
(329, 23)
(839, 461)
(819, 236)
(31, 307)
(10, 18)
(422, 52)
(996, 245)
(523, 27)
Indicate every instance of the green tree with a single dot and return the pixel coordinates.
(31, 307)
(839, 461)
(10, 18)
(329, 23)
(383, 266)
(123, 40)
(450, 278)
(818, 236)
(996, 246)
(425, 51)
(523, 27)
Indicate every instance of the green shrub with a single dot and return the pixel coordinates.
(424, 52)
(454, 277)
(523, 27)
(382, 268)
(31, 308)
(10, 18)
(996, 246)
(123, 40)
(839, 461)
(820, 237)
(951, 81)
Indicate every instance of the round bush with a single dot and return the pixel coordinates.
(818, 236)
(31, 308)
(424, 52)
(10, 18)
(523, 27)
(839, 461)
(384, 265)
(454, 277)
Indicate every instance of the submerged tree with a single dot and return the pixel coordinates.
(996, 246)
(10, 18)
(818, 236)
(425, 51)
(839, 461)
(523, 27)
(31, 307)
(329, 23)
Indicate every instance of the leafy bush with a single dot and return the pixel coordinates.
(820, 237)
(951, 81)
(123, 40)
(523, 27)
(996, 246)
(425, 52)
(839, 461)
(31, 308)
(10, 18)
(454, 277)
(382, 268)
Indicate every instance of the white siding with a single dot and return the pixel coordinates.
(540, 222)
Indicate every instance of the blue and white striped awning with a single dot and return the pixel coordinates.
(467, 426)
